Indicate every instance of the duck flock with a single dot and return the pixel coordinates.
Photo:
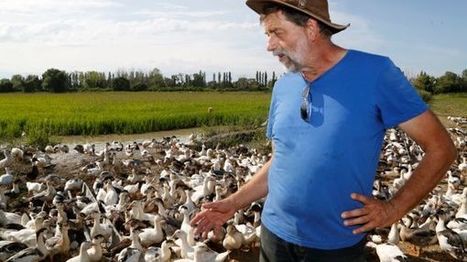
(133, 201)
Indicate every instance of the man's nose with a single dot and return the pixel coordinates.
(271, 43)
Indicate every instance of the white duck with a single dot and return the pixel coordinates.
(186, 226)
(152, 236)
(156, 254)
(95, 251)
(393, 236)
(99, 228)
(6, 162)
(83, 255)
(32, 254)
(388, 252)
(134, 252)
(202, 253)
(7, 178)
(186, 250)
(449, 241)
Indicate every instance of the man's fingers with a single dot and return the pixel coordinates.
(203, 226)
(357, 221)
(365, 228)
(361, 198)
(198, 217)
(354, 213)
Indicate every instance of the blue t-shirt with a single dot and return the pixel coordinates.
(317, 165)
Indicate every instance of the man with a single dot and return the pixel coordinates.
(327, 121)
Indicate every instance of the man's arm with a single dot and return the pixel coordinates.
(440, 152)
(215, 214)
(254, 189)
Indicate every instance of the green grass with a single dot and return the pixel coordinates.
(126, 112)
(450, 104)
(43, 114)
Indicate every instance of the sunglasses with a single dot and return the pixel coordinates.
(305, 107)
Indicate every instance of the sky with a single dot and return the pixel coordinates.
(186, 36)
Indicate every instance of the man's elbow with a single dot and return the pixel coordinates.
(451, 152)
(448, 150)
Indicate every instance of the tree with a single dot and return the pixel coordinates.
(139, 87)
(199, 80)
(424, 82)
(32, 84)
(273, 80)
(94, 80)
(156, 79)
(449, 82)
(242, 83)
(464, 80)
(120, 84)
(6, 86)
(54, 80)
(18, 82)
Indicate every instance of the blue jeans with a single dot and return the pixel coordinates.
(275, 249)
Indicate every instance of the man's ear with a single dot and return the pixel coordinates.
(312, 28)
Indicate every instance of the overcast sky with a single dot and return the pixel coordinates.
(214, 35)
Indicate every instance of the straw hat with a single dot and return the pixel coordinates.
(318, 9)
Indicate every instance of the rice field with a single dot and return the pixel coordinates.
(100, 113)
(126, 112)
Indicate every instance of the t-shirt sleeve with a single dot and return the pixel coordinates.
(397, 100)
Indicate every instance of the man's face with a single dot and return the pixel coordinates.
(286, 40)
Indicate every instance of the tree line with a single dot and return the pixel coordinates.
(448, 83)
(55, 80)
(58, 81)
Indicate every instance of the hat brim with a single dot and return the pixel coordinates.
(258, 7)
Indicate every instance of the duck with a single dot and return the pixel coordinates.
(159, 254)
(462, 210)
(205, 189)
(449, 241)
(233, 238)
(249, 233)
(60, 243)
(35, 187)
(44, 196)
(186, 250)
(203, 253)
(393, 236)
(95, 250)
(463, 166)
(186, 226)
(9, 218)
(73, 186)
(418, 237)
(388, 252)
(7, 161)
(99, 228)
(7, 178)
(32, 254)
(9, 248)
(152, 236)
(83, 255)
(111, 196)
(17, 154)
(134, 252)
